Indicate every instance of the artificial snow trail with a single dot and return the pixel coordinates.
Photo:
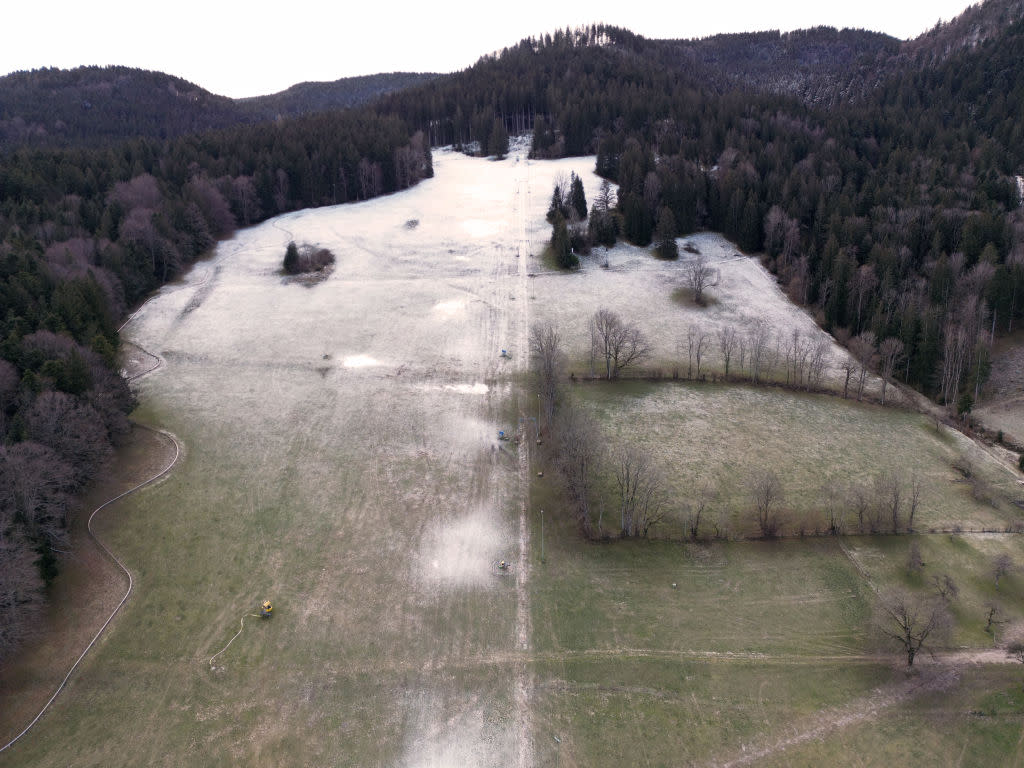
(523, 682)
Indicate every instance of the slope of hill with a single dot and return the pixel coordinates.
(981, 22)
(98, 105)
(893, 217)
(819, 65)
(304, 98)
(91, 105)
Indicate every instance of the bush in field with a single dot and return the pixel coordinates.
(291, 258)
(308, 258)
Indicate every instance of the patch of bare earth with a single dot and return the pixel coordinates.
(85, 592)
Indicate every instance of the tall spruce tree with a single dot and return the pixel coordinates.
(497, 144)
(577, 197)
(665, 235)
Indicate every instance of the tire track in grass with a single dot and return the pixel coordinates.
(858, 711)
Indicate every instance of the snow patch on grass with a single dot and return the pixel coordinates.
(478, 388)
(451, 307)
(360, 361)
(462, 551)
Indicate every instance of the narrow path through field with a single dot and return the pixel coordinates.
(857, 711)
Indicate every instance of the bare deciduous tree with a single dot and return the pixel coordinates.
(1016, 650)
(697, 508)
(945, 587)
(863, 349)
(618, 344)
(888, 497)
(849, 362)
(759, 338)
(915, 564)
(833, 510)
(817, 364)
(700, 276)
(860, 500)
(728, 341)
(641, 492)
(913, 502)
(578, 457)
(766, 494)
(993, 615)
(1002, 565)
(741, 350)
(546, 348)
(864, 282)
(697, 342)
(74, 430)
(890, 353)
(911, 622)
(798, 352)
(21, 591)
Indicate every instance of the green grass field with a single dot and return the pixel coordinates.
(722, 435)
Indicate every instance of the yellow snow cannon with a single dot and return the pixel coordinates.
(266, 609)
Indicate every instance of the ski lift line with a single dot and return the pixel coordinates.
(112, 556)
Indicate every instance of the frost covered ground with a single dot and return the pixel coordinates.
(343, 461)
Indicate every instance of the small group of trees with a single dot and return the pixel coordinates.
(566, 214)
(916, 622)
(306, 258)
(578, 448)
(865, 355)
(603, 227)
(568, 198)
(889, 504)
(615, 343)
(756, 353)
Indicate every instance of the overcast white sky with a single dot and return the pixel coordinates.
(256, 47)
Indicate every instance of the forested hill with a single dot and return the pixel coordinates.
(93, 106)
(978, 24)
(305, 98)
(894, 214)
(819, 65)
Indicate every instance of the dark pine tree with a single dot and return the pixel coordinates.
(497, 144)
(291, 258)
(577, 197)
(665, 235)
(564, 255)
